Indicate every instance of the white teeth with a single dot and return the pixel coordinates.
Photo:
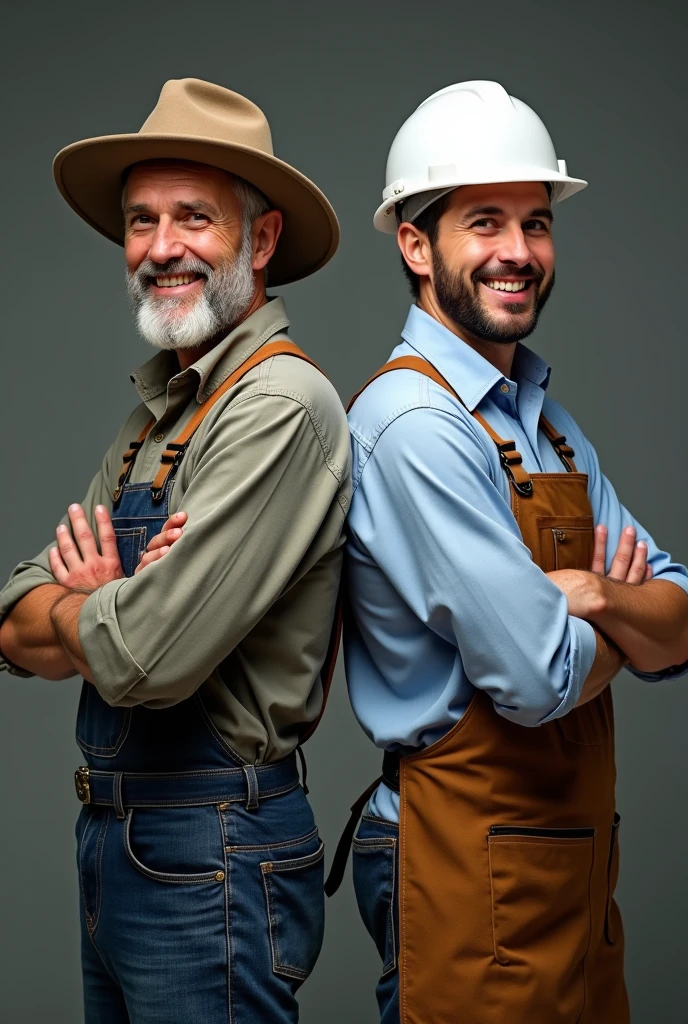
(174, 282)
(507, 286)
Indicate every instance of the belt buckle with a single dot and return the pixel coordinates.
(83, 790)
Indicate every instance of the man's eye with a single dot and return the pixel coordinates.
(198, 217)
(535, 225)
(484, 222)
(141, 218)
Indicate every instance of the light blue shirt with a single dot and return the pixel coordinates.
(444, 596)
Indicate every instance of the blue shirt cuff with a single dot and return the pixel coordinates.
(582, 652)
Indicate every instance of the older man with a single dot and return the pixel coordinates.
(481, 646)
(199, 861)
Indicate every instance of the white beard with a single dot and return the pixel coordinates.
(227, 294)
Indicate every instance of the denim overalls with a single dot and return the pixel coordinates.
(201, 876)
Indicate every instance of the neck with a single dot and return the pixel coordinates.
(500, 354)
(188, 356)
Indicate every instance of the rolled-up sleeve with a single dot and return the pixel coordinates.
(438, 527)
(261, 487)
(608, 510)
(35, 572)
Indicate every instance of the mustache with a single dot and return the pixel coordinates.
(503, 270)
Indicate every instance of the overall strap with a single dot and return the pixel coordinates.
(129, 459)
(558, 442)
(512, 463)
(175, 450)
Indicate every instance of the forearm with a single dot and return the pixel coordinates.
(649, 623)
(28, 638)
(608, 662)
(64, 616)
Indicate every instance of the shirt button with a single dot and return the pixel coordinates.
(505, 389)
(158, 438)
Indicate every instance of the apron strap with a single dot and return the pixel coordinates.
(558, 442)
(341, 854)
(511, 461)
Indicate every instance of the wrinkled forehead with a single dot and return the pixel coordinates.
(168, 174)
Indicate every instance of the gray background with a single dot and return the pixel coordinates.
(336, 81)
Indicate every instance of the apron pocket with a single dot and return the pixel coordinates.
(566, 542)
(296, 912)
(612, 920)
(540, 881)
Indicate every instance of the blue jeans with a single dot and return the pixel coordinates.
(376, 870)
(199, 915)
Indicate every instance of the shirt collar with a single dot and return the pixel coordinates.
(162, 371)
(469, 373)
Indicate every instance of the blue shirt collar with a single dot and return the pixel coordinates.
(469, 373)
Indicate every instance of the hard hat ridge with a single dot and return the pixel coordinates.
(470, 133)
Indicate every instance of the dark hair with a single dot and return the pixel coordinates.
(428, 222)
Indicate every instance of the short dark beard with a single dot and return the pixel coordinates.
(462, 303)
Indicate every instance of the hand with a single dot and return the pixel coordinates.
(76, 563)
(587, 592)
(629, 564)
(163, 541)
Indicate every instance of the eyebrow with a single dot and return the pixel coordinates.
(197, 206)
(540, 211)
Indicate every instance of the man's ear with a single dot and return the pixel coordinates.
(415, 248)
(265, 231)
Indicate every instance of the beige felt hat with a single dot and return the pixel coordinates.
(195, 120)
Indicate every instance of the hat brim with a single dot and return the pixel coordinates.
(90, 176)
(564, 187)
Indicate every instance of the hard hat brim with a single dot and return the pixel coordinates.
(563, 187)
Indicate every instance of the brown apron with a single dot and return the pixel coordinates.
(508, 835)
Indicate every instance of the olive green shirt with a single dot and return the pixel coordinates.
(242, 604)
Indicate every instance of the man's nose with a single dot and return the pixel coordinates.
(513, 248)
(166, 244)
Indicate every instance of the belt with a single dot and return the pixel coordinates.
(248, 784)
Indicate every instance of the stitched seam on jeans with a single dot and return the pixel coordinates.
(391, 966)
(272, 846)
(373, 843)
(98, 866)
(270, 867)
(228, 930)
(87, 912)
(162, 876)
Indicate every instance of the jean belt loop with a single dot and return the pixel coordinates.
(252, 787)
(117, 796)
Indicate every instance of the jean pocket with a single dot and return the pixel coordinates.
(296, 911)
(375, 884)
(164, 837)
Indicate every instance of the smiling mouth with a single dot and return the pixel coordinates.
(499, 285)
(175, 280)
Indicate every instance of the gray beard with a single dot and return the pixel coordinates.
(226, 296)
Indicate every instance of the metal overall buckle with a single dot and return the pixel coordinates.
(81, 784)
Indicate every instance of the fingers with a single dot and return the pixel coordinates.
(600, 550)
(57, 566)
(648, 573)
(164, 539)
(637, 572)
(149, 557)
(621, 562)
(83, 534)
(106, 533)
(176, 520)
(68, 550)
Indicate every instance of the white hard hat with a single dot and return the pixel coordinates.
(472, 133)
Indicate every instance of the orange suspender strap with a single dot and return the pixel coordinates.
(174, 450)
(558, 442)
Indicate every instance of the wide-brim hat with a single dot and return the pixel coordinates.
(199, 121)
